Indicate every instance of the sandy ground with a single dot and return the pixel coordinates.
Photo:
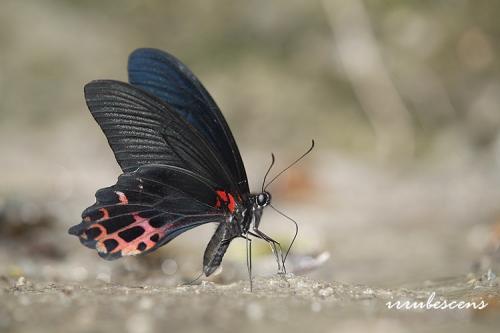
(277, 304)
(377, 223)
(372, 246)
(369, 234)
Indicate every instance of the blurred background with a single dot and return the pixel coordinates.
(401, 97)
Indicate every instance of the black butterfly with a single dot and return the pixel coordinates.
(181, 165)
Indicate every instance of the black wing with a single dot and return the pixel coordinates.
(146, 209)
(141, 129)
(166, 77)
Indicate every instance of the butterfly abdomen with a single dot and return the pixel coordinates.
(218, 245)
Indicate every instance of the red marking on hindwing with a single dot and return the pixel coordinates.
(227, 199)
(103, 231)
(132, 247)
(122, 197)
(105, 214)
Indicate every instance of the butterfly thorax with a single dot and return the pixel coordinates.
(249, 215)
(240, 220)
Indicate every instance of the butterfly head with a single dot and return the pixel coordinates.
(258, 201)
(263, 199)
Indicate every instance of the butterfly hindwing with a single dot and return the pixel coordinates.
(168, 78)
(146, 209)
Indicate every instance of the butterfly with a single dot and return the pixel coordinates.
(181, 166)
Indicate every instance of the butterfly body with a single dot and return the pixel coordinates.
(238, 224)
(181, 165)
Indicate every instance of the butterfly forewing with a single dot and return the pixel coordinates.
(168, 78)
(141, 130)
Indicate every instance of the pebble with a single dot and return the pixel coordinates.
(489, 276)
(20, 282)
(368, 291)
(325, 292)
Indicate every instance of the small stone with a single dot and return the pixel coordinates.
(325, 292)
(207, 284)
(368, 291)
(20, 282)
(302, 285)
(68, 290)
(488, 276)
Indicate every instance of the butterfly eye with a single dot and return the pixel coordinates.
(263, 199)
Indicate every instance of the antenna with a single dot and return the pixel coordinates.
(268, 170)
(288, 167)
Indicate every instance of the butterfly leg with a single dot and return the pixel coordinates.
(248, 243)
(191, 282)
(275, 247)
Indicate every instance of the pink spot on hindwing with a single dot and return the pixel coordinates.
(122, 197)
(136, 246)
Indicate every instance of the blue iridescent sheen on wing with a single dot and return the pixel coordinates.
(164, 76)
